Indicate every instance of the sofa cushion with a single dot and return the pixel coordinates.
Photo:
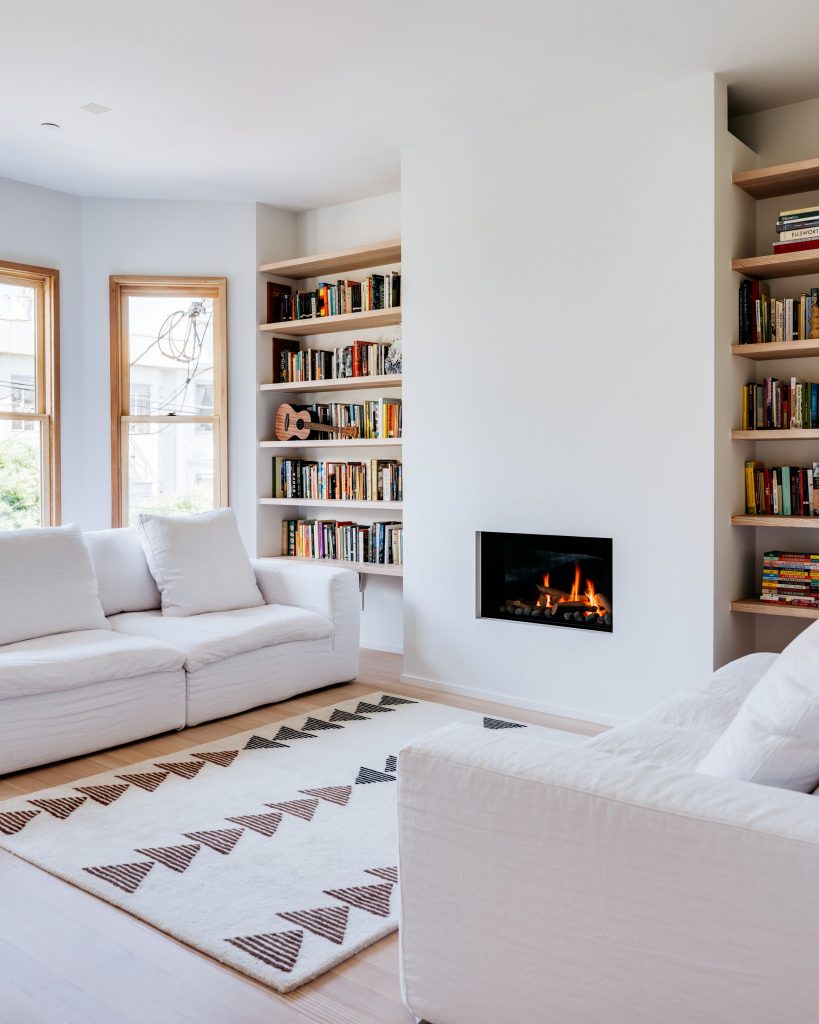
(199, 562)
(655, 743)
(774, 738)
(123, 577)
(69, 660)
(215, 636)
(47, 584)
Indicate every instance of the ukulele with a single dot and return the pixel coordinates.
(290, 423)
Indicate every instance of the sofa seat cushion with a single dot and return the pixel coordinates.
(68, 660)
(656, 743)
(215, 636)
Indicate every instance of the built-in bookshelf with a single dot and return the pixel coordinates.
(291, 335)
(766, 183)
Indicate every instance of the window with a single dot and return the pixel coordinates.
(29, 397)
(168, 395)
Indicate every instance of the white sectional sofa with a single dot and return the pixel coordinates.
(142, 672)
(609, 881)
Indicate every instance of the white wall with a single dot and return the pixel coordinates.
(559, 314)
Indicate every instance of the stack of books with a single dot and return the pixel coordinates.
(763, 319)
(376, 544)
(375, 480)
(360, 359)
(789, 578)
(775, 405)
(798, 230)
(781, 490)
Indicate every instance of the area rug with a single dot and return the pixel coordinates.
(273, 851)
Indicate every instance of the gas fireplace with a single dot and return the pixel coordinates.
(551, 580)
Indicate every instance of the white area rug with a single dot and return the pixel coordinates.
(273, 851)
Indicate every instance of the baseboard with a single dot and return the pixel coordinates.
(385, 648)
(578, 714)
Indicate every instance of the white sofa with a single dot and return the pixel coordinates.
(74, 692)
(609, 881)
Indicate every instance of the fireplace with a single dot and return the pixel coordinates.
(550, 580)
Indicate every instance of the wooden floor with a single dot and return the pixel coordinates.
(67, 957)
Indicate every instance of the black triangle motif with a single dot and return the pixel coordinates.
(375, 899)
(327, 922)
(498, 723)
(127, 877)
(371, 709)
(335, 794)
(13, 821)
(392, 764)
(286, 733)
(388, 698)
(146, 780)
(316, 725)
(221, 839)
(177, 858)
(366, 775)
(264, 824)
(346, 716)
(259, 743)
(276, 949)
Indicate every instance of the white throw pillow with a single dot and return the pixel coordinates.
(199, 562)
(123, 577)
(47, 584)
(774, 737)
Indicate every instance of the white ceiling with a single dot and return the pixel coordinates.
(309, 102)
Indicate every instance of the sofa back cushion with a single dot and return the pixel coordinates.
(124, 579)
(774, 738)
(199, 562)
(47, 584)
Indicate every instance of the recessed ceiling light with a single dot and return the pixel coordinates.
(48, 124)
(95, 108)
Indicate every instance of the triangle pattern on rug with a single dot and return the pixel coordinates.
(146, 780)
(498, 723)
(300, 808)
(276, 949)
(335, 794)
(224, 758)
(104, 795)
(61, 806)
(260, 743)
(389, 699)
(127, 877)
(220, 839)
(370, 709)
(185, 769)
(265, 824)
(392, 764)
(177, 858)
(346, 716)
(375, 899)
(366, 775)
(327, 922)
(317, 724)
(286, 733)
(388, 874)
(13, 821)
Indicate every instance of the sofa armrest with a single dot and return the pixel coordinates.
(545, 882)
(324, 589)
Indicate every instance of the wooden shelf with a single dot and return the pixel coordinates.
(775, 435)
(786, 264)
(757, 607)
(333, 324)
(371, 568)
(383, 380)
(778, 350)
(376, 255)
(332, 503)
(811, 522)
(780, 180)
(355, 442)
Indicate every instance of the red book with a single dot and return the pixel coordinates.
(795, 246)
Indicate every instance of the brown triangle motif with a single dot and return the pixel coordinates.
(177, 858)
(277, 949)
(286, 733)
(266, 824)
(327, 922)
(146, 780)
(388, 698)
(317, 724)
(389, 874)
(224, 758)
(104, 795)
(127, 877)
(335, 794)
(187, 769)
(61, 806)
(346, 716)
(375, 899)
(221, 839)
(301, 808)
(370, 709)
(13, 821)
(260, 743)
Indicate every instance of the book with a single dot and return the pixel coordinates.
(803, 212)
(799, 234)
(804, 246)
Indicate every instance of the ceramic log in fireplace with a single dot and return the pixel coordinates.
(550, 580)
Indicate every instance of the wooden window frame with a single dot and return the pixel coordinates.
(46, 282)
(120, 289)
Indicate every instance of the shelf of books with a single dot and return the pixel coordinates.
(352, 442)
(756, 606)
(778, 434)
(333, 503)
(777, 349)
(371, 568)
(376, 255)
(754, 519)
(380, 380)
(333, 323)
